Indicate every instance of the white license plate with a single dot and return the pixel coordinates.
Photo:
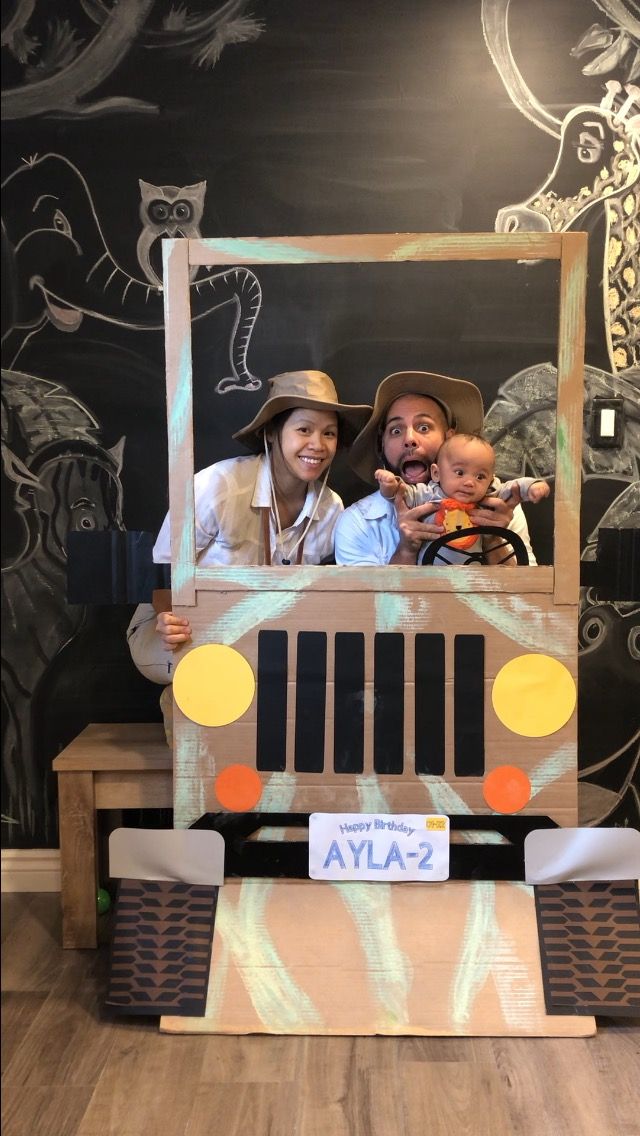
(378, 846)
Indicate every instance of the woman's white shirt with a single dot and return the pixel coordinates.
(229, 498)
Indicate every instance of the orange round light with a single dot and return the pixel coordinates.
(507, 789)
(238, 788)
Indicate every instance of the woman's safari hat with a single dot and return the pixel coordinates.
(310, 389)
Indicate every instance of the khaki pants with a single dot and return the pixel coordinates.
(166, 705)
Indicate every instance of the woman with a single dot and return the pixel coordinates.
(272, 507)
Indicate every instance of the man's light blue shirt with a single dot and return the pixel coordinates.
(367, 532)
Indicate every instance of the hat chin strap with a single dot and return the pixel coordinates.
(274, 505)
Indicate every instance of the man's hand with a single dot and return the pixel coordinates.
(413, 529)
(494, 511)
(174, 630)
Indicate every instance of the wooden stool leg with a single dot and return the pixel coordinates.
(77, 821)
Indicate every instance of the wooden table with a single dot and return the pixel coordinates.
(108, 766)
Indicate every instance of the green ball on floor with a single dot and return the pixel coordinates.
(103, 901)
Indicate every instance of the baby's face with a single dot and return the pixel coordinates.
(465, 469)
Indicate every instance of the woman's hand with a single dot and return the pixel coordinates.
(174, 630)
(413, 529)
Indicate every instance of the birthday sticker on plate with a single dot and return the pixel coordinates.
(378, 846)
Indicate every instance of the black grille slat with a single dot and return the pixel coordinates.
(271, 739)
(388, 713)
(429, 704)
(348, 736)
(311, 700)
(468, 705)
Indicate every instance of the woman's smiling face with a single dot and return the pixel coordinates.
(305, 444)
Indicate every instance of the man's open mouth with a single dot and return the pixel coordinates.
(413, 470)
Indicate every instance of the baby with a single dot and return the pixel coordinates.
(461, 476)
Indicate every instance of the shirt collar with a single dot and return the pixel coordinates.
(262, 493)
(262, 490)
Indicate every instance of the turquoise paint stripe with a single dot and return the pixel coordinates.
(409, 249)
(180, 575)
(393, 579)
(389, 611)
(277, 999)
(389, 969)
(218, 974)
(401, 613)
(278, 794)
(179, 427)
(444, 798)
(280, 1003)
(370, 794)
(522, 622)
(271, 991)
(479, 940)
(515, 982)
(260, 580)
(487, 952)
(564, 760)
(484, 949)
(189, 754)
(272, 252)
(179, 420)
(570, 472)
(250, 613)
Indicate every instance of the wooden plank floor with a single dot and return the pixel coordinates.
(67, 1070)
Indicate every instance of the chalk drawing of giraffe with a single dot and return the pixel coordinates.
(596, 176)
(598, 167)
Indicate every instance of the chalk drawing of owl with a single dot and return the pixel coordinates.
(168, 211)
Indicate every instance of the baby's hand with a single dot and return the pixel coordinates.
(537, 491)
(389, 483)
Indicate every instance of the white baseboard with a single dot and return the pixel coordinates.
(30, 869)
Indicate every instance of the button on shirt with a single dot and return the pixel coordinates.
(229, 497)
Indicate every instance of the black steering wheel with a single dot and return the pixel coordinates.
(510, 541)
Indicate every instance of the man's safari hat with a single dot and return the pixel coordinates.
(309, 389)
(461, 403)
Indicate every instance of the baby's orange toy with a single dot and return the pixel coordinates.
(455, 515)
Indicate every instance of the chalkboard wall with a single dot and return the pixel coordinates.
(123, 124)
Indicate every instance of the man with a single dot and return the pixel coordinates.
(414, 412)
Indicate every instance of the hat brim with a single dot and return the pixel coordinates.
(461, 398)
(351, 417)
